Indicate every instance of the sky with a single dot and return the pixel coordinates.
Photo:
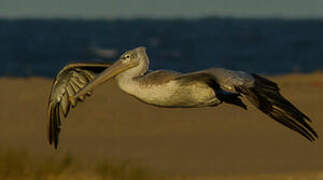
(160, 9)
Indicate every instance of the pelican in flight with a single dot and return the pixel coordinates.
(210, 87)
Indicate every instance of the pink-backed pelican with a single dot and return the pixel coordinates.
(163, 88)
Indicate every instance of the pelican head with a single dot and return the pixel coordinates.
(129, 60)
(133, 56)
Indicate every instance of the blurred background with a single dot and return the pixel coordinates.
(112, 135)
(39, 37)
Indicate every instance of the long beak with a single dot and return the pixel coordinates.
(107, 74)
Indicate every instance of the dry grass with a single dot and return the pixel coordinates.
(16, 164)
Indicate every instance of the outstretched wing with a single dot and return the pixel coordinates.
(265, 95)
(70, 80)
(261, 92)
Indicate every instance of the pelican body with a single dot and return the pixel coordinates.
(163, 88)
(170, 93)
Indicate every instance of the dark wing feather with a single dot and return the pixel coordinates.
(71, 79)
(265, 95)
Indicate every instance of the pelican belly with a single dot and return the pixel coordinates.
(171, 93)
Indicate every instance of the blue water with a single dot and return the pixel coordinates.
(36, 47)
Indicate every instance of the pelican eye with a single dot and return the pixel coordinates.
(126, 58)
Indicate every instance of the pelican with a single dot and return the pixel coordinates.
(210, 87)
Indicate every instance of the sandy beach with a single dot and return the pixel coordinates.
(225, 142)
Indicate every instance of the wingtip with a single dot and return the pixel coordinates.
(54, 124)
(53, 142)
(55, 146)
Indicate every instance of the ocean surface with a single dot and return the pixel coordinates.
(40, 47)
